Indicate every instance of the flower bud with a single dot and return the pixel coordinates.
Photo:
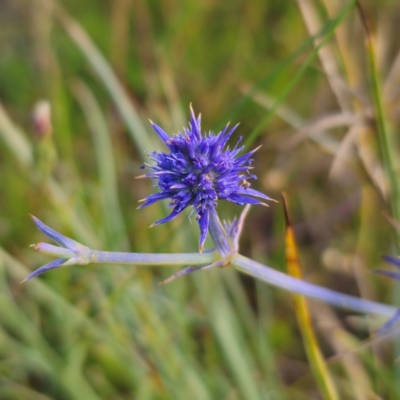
(41, 118)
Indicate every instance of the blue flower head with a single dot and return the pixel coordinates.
(198, 171)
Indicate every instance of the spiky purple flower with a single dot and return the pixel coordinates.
(198, 171)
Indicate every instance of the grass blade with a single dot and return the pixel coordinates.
(315, 357)
(103, 147)
(106, 74)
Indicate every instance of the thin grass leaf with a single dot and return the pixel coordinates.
(273, 75)
(326, 55)
(35, 347)
(342, 341)
(15, 139)
(314, 354)
(103, 148)
(386, 139)
(73, 376)
(106, 74)
(329, 27)
(386, 142)
(234, 347)
(18, 142)
(44, 294)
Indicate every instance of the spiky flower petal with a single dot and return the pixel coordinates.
(198, 171)
(391, 274)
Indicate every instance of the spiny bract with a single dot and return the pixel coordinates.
(198, 171)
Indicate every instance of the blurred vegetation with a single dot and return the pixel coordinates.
(302, 82)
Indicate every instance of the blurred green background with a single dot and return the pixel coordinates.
(298, 77)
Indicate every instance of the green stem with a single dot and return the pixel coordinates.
(385, 139)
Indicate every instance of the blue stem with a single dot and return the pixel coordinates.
(72, 252)
(150, 259)
(279, 279)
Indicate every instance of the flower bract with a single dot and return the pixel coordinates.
(391, 274)
(199, 170)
